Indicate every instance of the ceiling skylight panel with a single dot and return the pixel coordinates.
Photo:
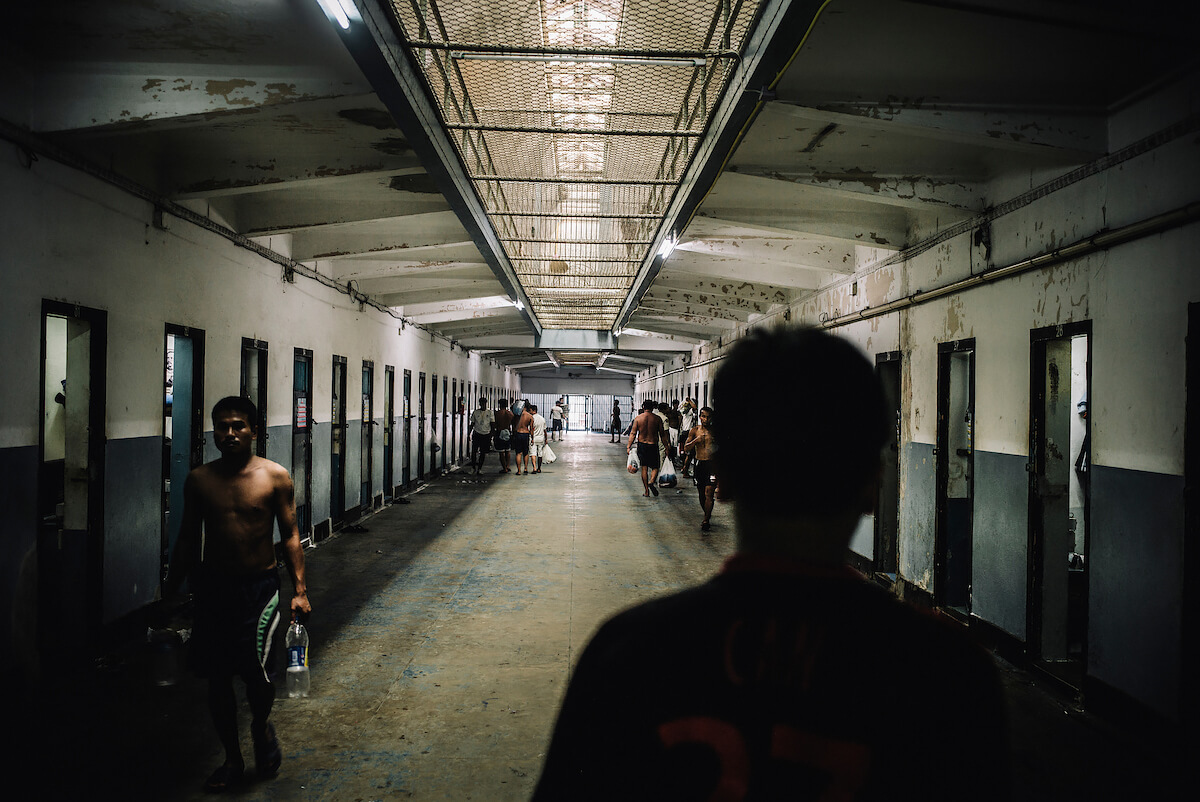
(580, 25)
(575, 119)
(576, 155)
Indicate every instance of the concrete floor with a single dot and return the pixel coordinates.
(442, 640)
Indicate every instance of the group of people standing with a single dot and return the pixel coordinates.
(663, 432)
(519, 430)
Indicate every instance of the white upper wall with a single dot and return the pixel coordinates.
(73, 238)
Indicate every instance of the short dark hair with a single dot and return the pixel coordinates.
(237, 403)
(837, 426)
(533, 407)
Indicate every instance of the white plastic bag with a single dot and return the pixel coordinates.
(667, 476)
(548, 456)
(632, 466)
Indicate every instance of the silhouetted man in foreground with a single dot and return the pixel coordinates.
(236, 501)
(788, 675)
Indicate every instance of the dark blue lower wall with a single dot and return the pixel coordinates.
(1136, 576)
(133, 481)
(1000, 542)
(321, 447)
(18, 558)
(918, 493)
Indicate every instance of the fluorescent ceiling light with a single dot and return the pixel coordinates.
(337, 9)
(667, 247)
(547, 58)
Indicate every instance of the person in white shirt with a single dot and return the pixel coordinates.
(481, 434)
(556, 420)
(687, 412)
(537, 439)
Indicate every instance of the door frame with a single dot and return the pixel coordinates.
(421, 426)
(308, 532)
(406, 428)
(445, 421)
(366, 438)
(890, 358)
(338, 422)
(1038, 338)
(940, 568)
(196, 447)
(260, 347)
(51, 581)
(1189, 651)
(389, 431)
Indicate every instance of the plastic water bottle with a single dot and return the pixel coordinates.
(297, 668)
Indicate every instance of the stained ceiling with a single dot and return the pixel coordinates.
(584, 185)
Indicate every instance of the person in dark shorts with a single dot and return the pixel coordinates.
(788, 675)
(615, 424)
(700, 442)
(520, 439)
(502, 429)
(237, 500)
(646, 432)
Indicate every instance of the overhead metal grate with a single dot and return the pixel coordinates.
(576, 120)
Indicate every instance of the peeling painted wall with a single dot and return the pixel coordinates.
(71, 238)
(1136, 297)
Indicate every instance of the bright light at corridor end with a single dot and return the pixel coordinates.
(339, 10)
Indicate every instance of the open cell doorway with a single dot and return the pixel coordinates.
(70, 546)
(955, 454)
(183, 428)
(1059, 498)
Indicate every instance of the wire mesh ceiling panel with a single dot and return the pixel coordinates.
(576, 121)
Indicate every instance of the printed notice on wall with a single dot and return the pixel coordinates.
(301, 413)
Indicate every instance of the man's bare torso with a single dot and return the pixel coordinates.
(238, 511)
(648, 426)
(701, 441)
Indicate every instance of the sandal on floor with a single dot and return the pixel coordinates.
(267, 755)
(225, 777)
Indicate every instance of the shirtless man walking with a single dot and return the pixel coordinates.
(646, 432)
(700, 445)
(236, 501)
(520, 440)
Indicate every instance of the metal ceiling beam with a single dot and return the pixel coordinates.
(636, 339)
(255, 183)
(377, 236)
(461, 290)
(745, 288)
(362, 269)
(459, 305)
(491, 316)
(1082, 137)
